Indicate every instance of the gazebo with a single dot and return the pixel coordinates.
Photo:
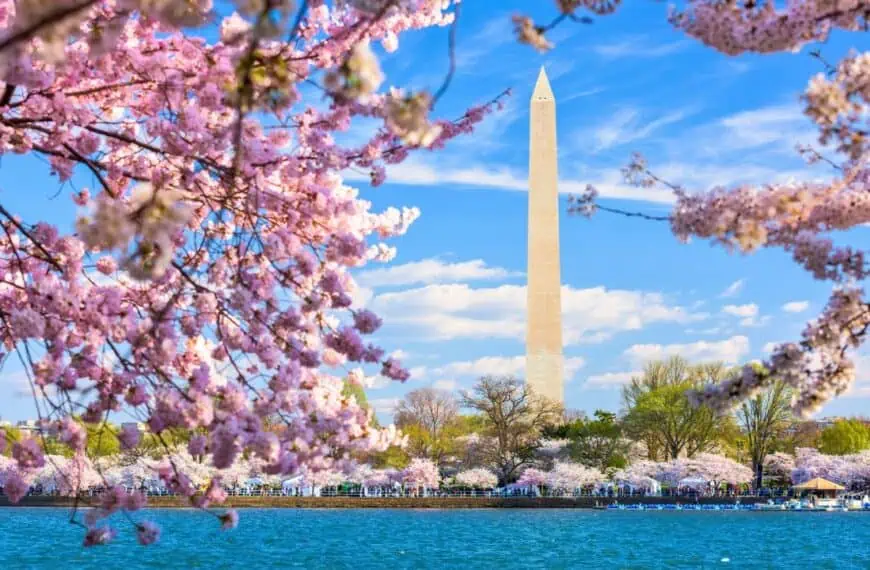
(820, 486)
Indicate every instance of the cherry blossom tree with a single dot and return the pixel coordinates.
(68, 476)
(421, 474)
(477, 478)
(709, 467)
(779, 466)
(532, 477)
(206, 285)
(569, 477)
(850, 470)
(641, 474)
(810, 463)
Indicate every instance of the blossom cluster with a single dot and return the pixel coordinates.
(208, 284)
(564, 476)
(421, 473)
(853, 469)
(703, 467)
(478, 478)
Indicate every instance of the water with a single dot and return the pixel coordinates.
(505, 539)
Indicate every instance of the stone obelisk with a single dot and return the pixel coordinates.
(544, 363)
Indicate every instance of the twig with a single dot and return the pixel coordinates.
(53, 18)
(451, 54)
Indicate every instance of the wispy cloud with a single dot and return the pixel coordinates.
(457, 311)
(747, 310)
(494, 34)
(497, 366)
(796, 306)
(580, 94)
(734, 289)
(639, 47)
(416, 172)
(747, 313)
(729, 351)
(429, 271)
(625, 126)
(609, 380)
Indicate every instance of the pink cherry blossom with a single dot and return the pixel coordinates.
(209, 277)
(421, 473)
(532, 477)
(478, 478)
(14, 486)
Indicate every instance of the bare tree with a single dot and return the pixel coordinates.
(426, 414)
(514, 419)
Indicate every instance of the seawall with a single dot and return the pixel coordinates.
(405, 502)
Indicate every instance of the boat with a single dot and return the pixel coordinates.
(769, 506)
(855, 501)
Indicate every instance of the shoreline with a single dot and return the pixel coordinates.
(404, 502)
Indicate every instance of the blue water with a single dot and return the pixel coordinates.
(503, 539)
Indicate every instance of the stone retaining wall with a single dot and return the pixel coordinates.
(404, 502)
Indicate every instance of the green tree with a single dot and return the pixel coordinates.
(597, 442)
(845, 437)
(359, 393)
(658, 411)
(394, 456)
(764, 420)
(102, 440)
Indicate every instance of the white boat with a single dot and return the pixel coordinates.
(855, 501)
(796, 505)
(768, 506)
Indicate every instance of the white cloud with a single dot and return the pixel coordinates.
(384, 405)
(494, 365)
(730, 351)
(448, 385)
(428, 271)
(730, 150)
(377, 382)
(501, 366)
(733, 289)
(492, 35)
(769, 346)
(745, 311)
(456, 311)
(418, 372)
(16, 384)
(625, 126)
(861, 387)
(416, 172)
(609, 380)
(780, 126)
(748, 314)
(638, 46)
(796, 306)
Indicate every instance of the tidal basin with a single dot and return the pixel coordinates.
(41, 538)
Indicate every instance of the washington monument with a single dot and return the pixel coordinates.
(544, 373)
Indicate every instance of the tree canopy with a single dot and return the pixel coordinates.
(844, 437)
(658, 411)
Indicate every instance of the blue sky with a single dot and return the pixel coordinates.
(453, 299)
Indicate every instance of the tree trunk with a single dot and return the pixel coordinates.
(758, 467)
